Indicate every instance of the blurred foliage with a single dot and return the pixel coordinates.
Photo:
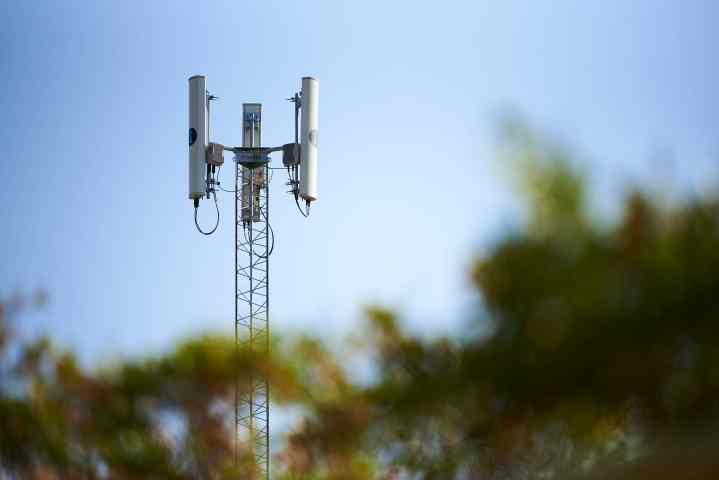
(603, 362)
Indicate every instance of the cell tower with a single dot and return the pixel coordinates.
(254, 237)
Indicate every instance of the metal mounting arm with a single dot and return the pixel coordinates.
(252, 157)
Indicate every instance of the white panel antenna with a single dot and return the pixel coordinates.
(309, 135)
(197, 137)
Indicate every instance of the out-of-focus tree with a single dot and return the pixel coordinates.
(604, 352)
(602, 362)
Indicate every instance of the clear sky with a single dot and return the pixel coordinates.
(94, 146)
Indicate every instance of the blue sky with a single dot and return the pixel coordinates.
(94, 153)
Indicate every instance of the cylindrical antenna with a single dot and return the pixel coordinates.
(308, 152)
(197, 136)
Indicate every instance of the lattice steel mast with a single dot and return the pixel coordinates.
(252, 246)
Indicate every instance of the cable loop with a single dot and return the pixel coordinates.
(217, 223)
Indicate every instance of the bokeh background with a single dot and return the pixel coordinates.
(418, 103)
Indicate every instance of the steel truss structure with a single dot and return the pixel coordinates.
(252, 329)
